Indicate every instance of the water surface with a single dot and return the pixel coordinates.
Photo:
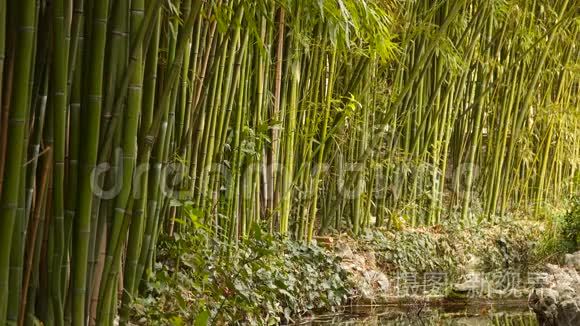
(470, 314)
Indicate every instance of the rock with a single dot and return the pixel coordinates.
(377, 278)
(472, 263)
(573, 260)
(474, 286)
(543, 303)
(326, 242)
(557, 300)
(343, 250)
(369, 281)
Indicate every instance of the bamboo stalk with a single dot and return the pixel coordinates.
(15, 147)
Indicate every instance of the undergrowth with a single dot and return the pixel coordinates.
(268, 280)
(562, 233)
(262, 280)
(453, 249)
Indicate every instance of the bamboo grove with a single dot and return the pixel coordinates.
(119, 118)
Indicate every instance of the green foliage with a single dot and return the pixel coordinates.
(504, 245)
(264, 281)
(414, 250)
(452, 248)
(562, 234)
(570, 229)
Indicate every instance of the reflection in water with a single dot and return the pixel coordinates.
(469, 315)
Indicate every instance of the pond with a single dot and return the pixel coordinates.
(447, 313)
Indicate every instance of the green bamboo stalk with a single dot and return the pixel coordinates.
(16, 131)
(3, 110)
(129, 149)
(149, 85)
(59, 96)
(88, 161)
